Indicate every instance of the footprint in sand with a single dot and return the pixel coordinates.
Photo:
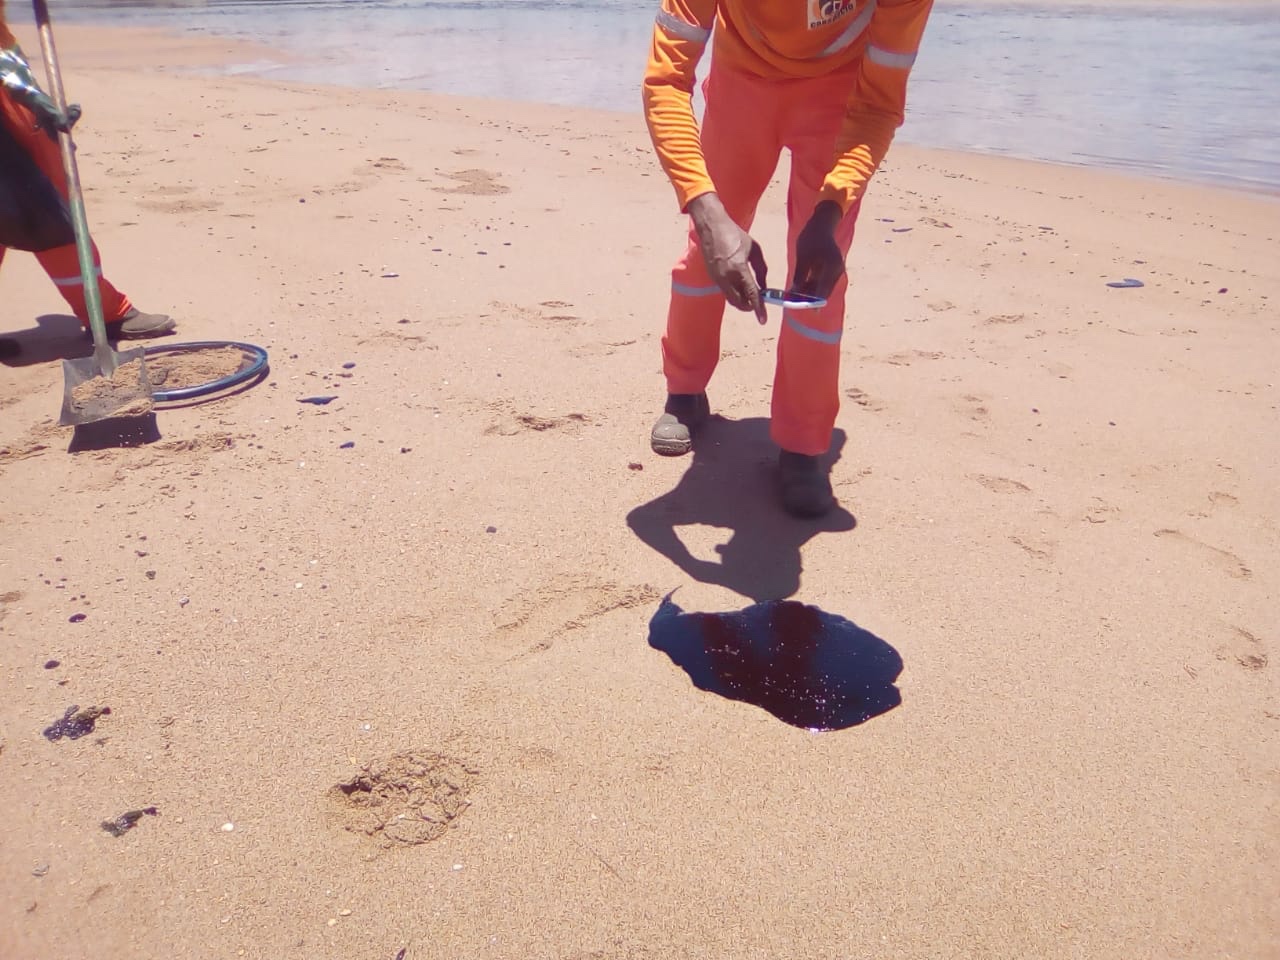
(1225, 560)
(905, 357)
(403, 800)
(533, 620)
(343, 187)
(554, 313)
(549, 313)
(861, 398)
(180, 205)
(511, 422)
(974, 407)
(6, 599)
(1217, 499)
(413, 341)
(1243, 649)
(1040, 549)
(1000, 484)
(480, 183)
(1100, 511)
(592, 351)
(1005, 318)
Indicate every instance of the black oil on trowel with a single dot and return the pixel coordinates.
(106, 385)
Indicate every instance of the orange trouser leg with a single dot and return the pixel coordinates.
(741, 142)
(62, 264)
(806, 386)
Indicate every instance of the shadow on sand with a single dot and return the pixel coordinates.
(731, 484)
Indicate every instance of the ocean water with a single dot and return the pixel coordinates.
(1175, 90)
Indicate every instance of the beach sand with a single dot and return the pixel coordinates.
(1066, 527)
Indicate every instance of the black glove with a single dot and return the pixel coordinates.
(819, 262)
(53, 122)
(17, 78)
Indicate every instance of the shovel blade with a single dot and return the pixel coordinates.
(89, 395)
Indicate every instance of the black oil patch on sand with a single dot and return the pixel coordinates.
(75, 723)
(122, 824)
(808, 668)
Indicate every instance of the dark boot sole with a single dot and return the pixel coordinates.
(666, 447)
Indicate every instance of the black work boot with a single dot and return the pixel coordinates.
(806, 487)
(672, 435)
(136, 325)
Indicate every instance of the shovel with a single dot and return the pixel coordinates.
(107, 384)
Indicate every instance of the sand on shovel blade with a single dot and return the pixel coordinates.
(124, 394)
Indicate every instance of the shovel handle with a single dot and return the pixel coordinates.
(79, 222)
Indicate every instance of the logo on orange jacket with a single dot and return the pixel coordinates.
(823, 12)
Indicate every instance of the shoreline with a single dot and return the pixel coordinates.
(222, 55)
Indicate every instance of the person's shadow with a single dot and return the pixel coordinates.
(732, 484)
(54, 337)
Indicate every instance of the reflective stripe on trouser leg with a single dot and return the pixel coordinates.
(62, 264)
(806, 382)
(691, 345)
(806, 395)
(742, 153)
(806, 385)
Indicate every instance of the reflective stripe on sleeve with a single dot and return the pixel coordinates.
(887, 58)
(680, 29)
(851, 32)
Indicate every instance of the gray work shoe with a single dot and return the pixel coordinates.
(806, 488)
(672, 435)
(136, 325)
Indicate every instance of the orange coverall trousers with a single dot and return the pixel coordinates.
(61, 263)
(746, 124)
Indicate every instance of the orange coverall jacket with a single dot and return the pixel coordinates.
(874, 40)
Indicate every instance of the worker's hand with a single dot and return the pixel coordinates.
(734, 261)
(20, 83)
(52, 120)
(819, 262)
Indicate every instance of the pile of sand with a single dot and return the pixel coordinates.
(181, 370)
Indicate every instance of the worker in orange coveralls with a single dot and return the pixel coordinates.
(32, 120)
(827, 79)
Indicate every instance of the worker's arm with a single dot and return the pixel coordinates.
(16, 78)
(877, 105)
(874, 112)
(681, 33)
